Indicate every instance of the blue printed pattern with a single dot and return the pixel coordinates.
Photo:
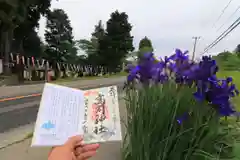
(48, 125)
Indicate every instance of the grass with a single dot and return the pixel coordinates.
(237, 149)
(62, 80)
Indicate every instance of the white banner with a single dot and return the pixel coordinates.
(17, 59)
(23, 60)
(43, 61)
(11, 57)
(58, 66)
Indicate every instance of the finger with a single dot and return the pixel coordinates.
(78, 151)
(86, 155)
(86, 148)
(90, 147)
(73, 141)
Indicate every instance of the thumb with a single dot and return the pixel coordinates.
(73, 142)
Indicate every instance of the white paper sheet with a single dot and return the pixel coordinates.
(60, 115)
(65, 112)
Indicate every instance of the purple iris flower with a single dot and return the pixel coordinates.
(179, 55)
(201, 75)
(133, 73)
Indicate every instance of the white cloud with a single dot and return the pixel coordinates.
(168, 23)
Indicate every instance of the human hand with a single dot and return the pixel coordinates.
(85, 151)
(73, 149)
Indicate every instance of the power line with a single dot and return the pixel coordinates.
(229, 18)
(223, 11)
(194, 46)
(216, 42)
(235, 22)
(223, 35)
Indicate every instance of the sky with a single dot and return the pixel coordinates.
(169, 24)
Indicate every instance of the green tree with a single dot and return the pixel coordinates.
(145, 45)
(59, 38)
(25, 34)
(58, 35)
(237, 50)
(12, 13)
(32, 45)
(71, 55)
(91, 47)
(117, 42)
(18, 21)
(87, 46)
(82, 59)
(145, 42)
(98, 34)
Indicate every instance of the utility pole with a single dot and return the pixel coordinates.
(194, 46)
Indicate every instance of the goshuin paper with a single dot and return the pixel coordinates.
(101, 119)
(65, 112)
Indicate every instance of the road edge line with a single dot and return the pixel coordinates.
(16, 142)
(39, 94)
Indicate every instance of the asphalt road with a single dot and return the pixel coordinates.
(18, 112)
(22, 90)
